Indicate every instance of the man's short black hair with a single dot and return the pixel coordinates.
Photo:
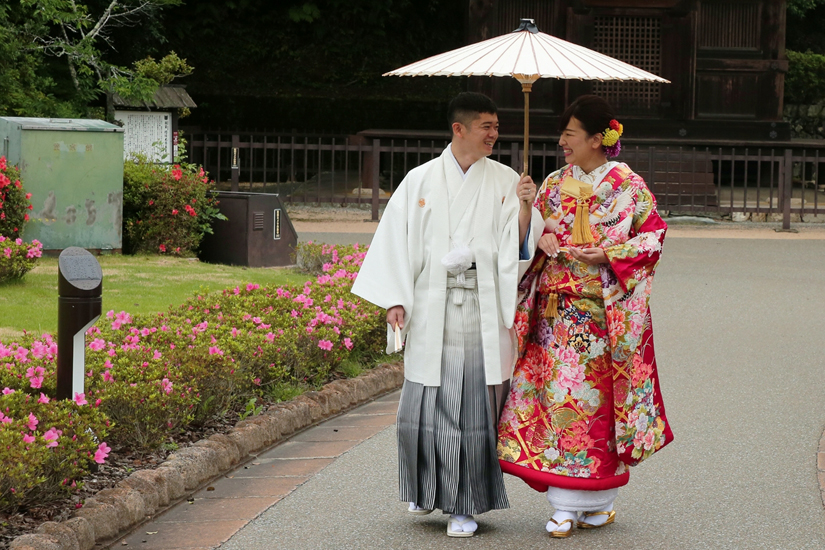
(466, 106)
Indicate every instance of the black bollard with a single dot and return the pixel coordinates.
(79, 304)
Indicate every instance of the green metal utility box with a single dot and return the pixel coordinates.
(74, 170)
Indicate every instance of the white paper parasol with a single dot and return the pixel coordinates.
(527, 55)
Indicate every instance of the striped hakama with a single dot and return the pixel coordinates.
(447, 434)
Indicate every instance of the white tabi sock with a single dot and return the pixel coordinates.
(469, 526)
(597, 520)
(559, 517)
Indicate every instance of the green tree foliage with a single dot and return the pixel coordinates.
(800, 7)
(804, 29)
(26, 89)
(147, 75)
(805, 81)
(57, 57)
(330, 48)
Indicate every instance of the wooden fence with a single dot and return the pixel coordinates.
(773, 181)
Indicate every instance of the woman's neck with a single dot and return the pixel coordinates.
(593, 163)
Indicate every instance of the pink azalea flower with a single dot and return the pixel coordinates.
(97, 344)
(33, 422)
(36, 382)
(7, 391)
(4, 419)
(102, 453)
(215, 351)
(166, 386)
(51, 436)
(270, 337)
(28, 438)
(39, 349)
(107, 377)
(43, 398)
(80, 399)
(21, 354)
(348, 343)
(325, 345)
(157, 355)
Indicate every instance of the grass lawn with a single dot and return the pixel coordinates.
(136, 284)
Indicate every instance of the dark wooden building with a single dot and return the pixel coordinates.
(725, 60)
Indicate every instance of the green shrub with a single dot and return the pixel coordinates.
(148, 377)
(166, 208)
(805, 81)
(46, 460)
(14, 201)
(16, 257)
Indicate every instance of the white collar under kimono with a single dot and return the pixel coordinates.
(461, 233)
(457, 165)
(595, 177)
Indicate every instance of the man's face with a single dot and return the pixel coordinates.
(479, 138)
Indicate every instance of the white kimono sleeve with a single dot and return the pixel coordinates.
(386, 277)
(511, 268)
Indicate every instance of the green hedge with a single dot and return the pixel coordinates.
(805, 81)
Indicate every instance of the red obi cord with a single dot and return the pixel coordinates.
(540, 481)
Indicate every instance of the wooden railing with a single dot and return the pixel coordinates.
(772, 181)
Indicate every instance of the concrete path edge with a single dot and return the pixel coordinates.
(820, 467)
(113, 513)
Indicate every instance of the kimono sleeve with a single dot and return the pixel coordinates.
(636, 259)
(511, 267)
(386, 277)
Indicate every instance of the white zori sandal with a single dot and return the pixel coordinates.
(461, 526)
(416, 510)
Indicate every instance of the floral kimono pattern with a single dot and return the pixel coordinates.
(584, 399)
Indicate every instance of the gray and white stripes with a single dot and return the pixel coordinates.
(447, 434)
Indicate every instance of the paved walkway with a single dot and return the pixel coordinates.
(739, 335)
(230, 503)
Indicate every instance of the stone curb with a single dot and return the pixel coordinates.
(113, 512)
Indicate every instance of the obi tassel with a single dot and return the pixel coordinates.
(552, 309)
(581, 233)
(581, 192)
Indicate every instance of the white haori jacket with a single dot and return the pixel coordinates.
(403, 265)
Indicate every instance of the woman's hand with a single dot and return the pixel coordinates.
(590, 256)
(549, 244)
(396, 315)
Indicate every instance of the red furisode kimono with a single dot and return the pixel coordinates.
(584, 400)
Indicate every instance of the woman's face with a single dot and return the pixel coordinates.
(579, 148)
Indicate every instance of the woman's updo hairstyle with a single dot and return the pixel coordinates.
(595, 115)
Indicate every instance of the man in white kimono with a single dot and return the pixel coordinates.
(445, 262)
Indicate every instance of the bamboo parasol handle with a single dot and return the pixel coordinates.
(526, 87)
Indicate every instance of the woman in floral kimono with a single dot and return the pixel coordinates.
(584, 400)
